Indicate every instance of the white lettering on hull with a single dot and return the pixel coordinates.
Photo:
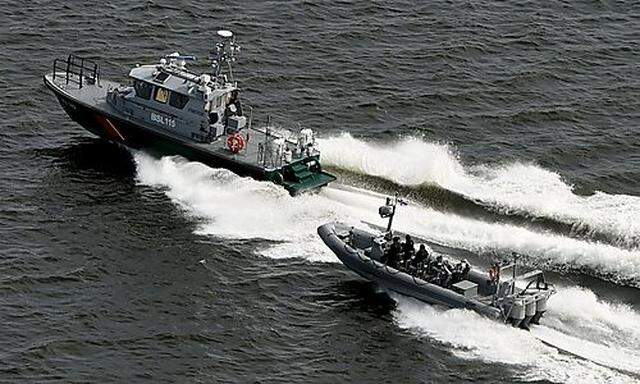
(164, 120)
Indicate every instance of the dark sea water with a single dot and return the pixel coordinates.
(513, 126)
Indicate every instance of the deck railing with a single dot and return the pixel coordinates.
(77, 70)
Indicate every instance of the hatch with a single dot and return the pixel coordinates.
(161, 77)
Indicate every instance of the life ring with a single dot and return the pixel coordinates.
(235, 143)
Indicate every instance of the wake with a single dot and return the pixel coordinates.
(516, 188)
(230, 206)
(604, 348)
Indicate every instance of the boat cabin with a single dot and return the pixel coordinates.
(168, 97)
(197, 115)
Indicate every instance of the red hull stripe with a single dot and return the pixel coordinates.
(110, 128)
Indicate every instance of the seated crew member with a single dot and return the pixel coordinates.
(465, 269)
(445, 272)
(393, 254)
(461, 271)
(436, 267)
(408, 249)
(421, 258)
(456, 275)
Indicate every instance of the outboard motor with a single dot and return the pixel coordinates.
(517, 312)
(529, 312)
(541, 308)
(522, 306)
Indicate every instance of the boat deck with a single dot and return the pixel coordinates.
(127, 115)
(94, 94)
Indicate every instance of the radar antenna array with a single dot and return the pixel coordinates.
(224, 52)
(388, 210)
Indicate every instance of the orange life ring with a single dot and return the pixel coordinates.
(235, 143)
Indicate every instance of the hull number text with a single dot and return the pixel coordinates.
(164, 120)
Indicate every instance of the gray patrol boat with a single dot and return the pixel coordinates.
(179, 112)
(519, 300)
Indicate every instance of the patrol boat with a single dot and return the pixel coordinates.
(520, 300)
(178, 112)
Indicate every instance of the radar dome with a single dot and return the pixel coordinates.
(225, 33)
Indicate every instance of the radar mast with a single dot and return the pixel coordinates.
(223, 53)
(388, 210)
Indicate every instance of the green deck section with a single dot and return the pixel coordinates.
(301, 172)
(310, 181)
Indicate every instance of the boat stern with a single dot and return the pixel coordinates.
(306, 175)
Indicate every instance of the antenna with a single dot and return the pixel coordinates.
(515, 272)
(224, 52)
(177, 56)
(388, 210)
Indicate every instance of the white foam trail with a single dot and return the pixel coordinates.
(513, 188)
(235, 207)
(579, 312)
(472, 336)
(544, 249)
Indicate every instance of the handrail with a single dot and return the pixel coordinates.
(85, 70)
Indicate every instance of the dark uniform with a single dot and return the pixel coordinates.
(421, 258)
(461, 271)
(465, 269)
(446, 276)
(393, 254)
(408, 250)
(443, 271)
(408, 247)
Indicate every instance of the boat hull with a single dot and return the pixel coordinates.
(117, 129)
(398, 281)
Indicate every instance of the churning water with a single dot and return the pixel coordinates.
(512, 127)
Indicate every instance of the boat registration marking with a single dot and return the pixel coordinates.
(164, 120)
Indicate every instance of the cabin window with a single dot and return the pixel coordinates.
(161, 77)
(162, 95)
(143, 89)
(178, 100)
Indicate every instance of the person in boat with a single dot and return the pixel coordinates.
(456, 274)
(442, 271)
(460, 271)
(447, 275)
(436, 266)
(421, 259)
(466, 268)
(232, 108)
(393, 254)
(408, 248)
